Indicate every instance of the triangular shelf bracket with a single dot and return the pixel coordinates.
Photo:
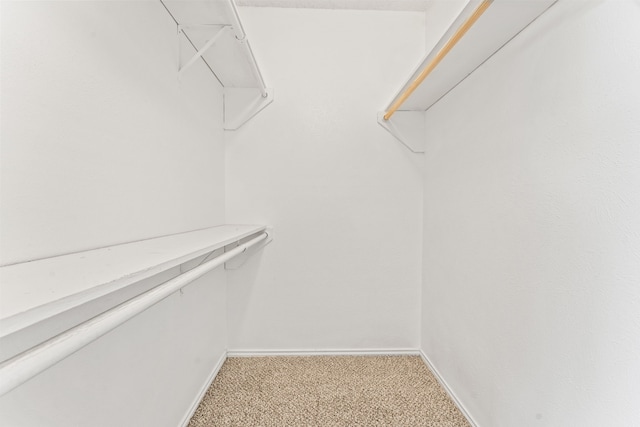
(239, 260)
(218, 30)
(242, 104)
(408, 127)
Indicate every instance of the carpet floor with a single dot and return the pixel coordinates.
(326, 391)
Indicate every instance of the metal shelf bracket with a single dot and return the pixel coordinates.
(239, 260)
(408, 127)
(242, 104)
(218, 31)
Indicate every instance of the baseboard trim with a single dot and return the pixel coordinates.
(198, 398)
(333, 352)
(446, 388)
(350, 352)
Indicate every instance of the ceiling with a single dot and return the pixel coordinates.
(409, 5)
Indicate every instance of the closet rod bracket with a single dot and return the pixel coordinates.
(239, 260)
(408, 127)
(242, 104)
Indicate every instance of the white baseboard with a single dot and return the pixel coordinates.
(198, 398)
(335, 352)
(350, 352)
(446, 388)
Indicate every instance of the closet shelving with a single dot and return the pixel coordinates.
(499, 21)
(213, 28)
(43, 298)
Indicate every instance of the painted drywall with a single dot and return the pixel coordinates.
(439, 16)
(531, 230)
(413, 5)
(344, 197)
(100, 142)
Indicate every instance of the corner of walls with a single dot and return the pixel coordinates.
(448, 389)
(343, 196)
(203, 390)
(531, 239)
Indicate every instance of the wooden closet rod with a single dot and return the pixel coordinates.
(441, 54)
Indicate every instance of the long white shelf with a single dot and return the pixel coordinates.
(40, 357)
(39, 290)
(502, 21)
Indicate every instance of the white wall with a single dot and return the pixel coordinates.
(532, 231)
(439, 16)
(147, 372)
(343, 195)
(100, 143)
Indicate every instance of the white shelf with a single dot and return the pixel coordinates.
(39, 290)
(502, 21)
(229, 54)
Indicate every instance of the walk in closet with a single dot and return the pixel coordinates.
(455, 183)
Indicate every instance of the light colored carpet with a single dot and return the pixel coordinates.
(326, 391)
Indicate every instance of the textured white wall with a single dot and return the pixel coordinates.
(343, 195)
(100, 143)
(414, 5)
(439, 16)
(147, 372)
(532, 240)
